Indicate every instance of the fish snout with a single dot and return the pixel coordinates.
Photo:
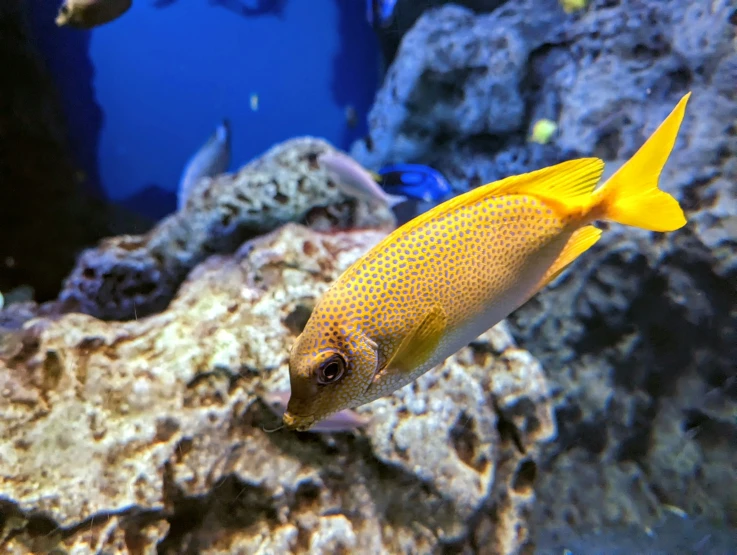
(297, 423)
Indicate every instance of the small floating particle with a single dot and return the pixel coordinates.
(675, 510)
(543, 131)
(570, 6)
(254, 102)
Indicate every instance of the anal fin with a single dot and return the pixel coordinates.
(419, 345)
(581, 241)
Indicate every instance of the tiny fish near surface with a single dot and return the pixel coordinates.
(438, 282)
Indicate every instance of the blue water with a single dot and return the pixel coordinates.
(165, 77)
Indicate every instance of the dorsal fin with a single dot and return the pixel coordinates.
(567, 183)
(562, 182)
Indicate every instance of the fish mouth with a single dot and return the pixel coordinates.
(297, 423)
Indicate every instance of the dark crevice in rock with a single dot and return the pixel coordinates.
(707, 430)
(466, 443)
(524, 477)
(39, 532)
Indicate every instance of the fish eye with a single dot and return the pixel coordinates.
(331, 370)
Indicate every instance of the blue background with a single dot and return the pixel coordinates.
(165, 77)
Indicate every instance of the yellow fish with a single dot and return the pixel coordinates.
(441, 280)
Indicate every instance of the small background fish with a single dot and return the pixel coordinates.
(355, 180)
(342, 421)
(212, 159)
(415, 181)
(86, 14)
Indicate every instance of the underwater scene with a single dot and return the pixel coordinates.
(368, 276)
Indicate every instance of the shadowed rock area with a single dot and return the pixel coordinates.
(45, 217)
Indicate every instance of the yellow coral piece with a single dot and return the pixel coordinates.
(570, 6)
(543, 131)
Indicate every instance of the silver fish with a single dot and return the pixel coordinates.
(212, 159)
(355, 180)
(343, 421)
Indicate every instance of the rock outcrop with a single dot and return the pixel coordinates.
(131, 276)
(146, 435)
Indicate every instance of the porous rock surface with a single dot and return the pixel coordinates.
(640, 335)
(148, 436)
(133, 275)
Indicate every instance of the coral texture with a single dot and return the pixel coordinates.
(134, 436)
(130, 276)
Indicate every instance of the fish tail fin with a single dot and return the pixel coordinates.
(631, 196)
(393, 200)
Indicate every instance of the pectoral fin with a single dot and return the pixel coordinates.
(419, 345)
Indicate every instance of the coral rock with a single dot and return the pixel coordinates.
(131, 276)
(150, 434)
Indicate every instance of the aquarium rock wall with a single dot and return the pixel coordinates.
(639, 337)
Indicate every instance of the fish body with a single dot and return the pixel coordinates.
(87, 14)
(445, 277)
(212, 159)
(355, 180)
(416, 181)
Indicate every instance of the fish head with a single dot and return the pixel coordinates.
(330, 369)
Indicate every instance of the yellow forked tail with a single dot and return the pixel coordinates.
(631, 196)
